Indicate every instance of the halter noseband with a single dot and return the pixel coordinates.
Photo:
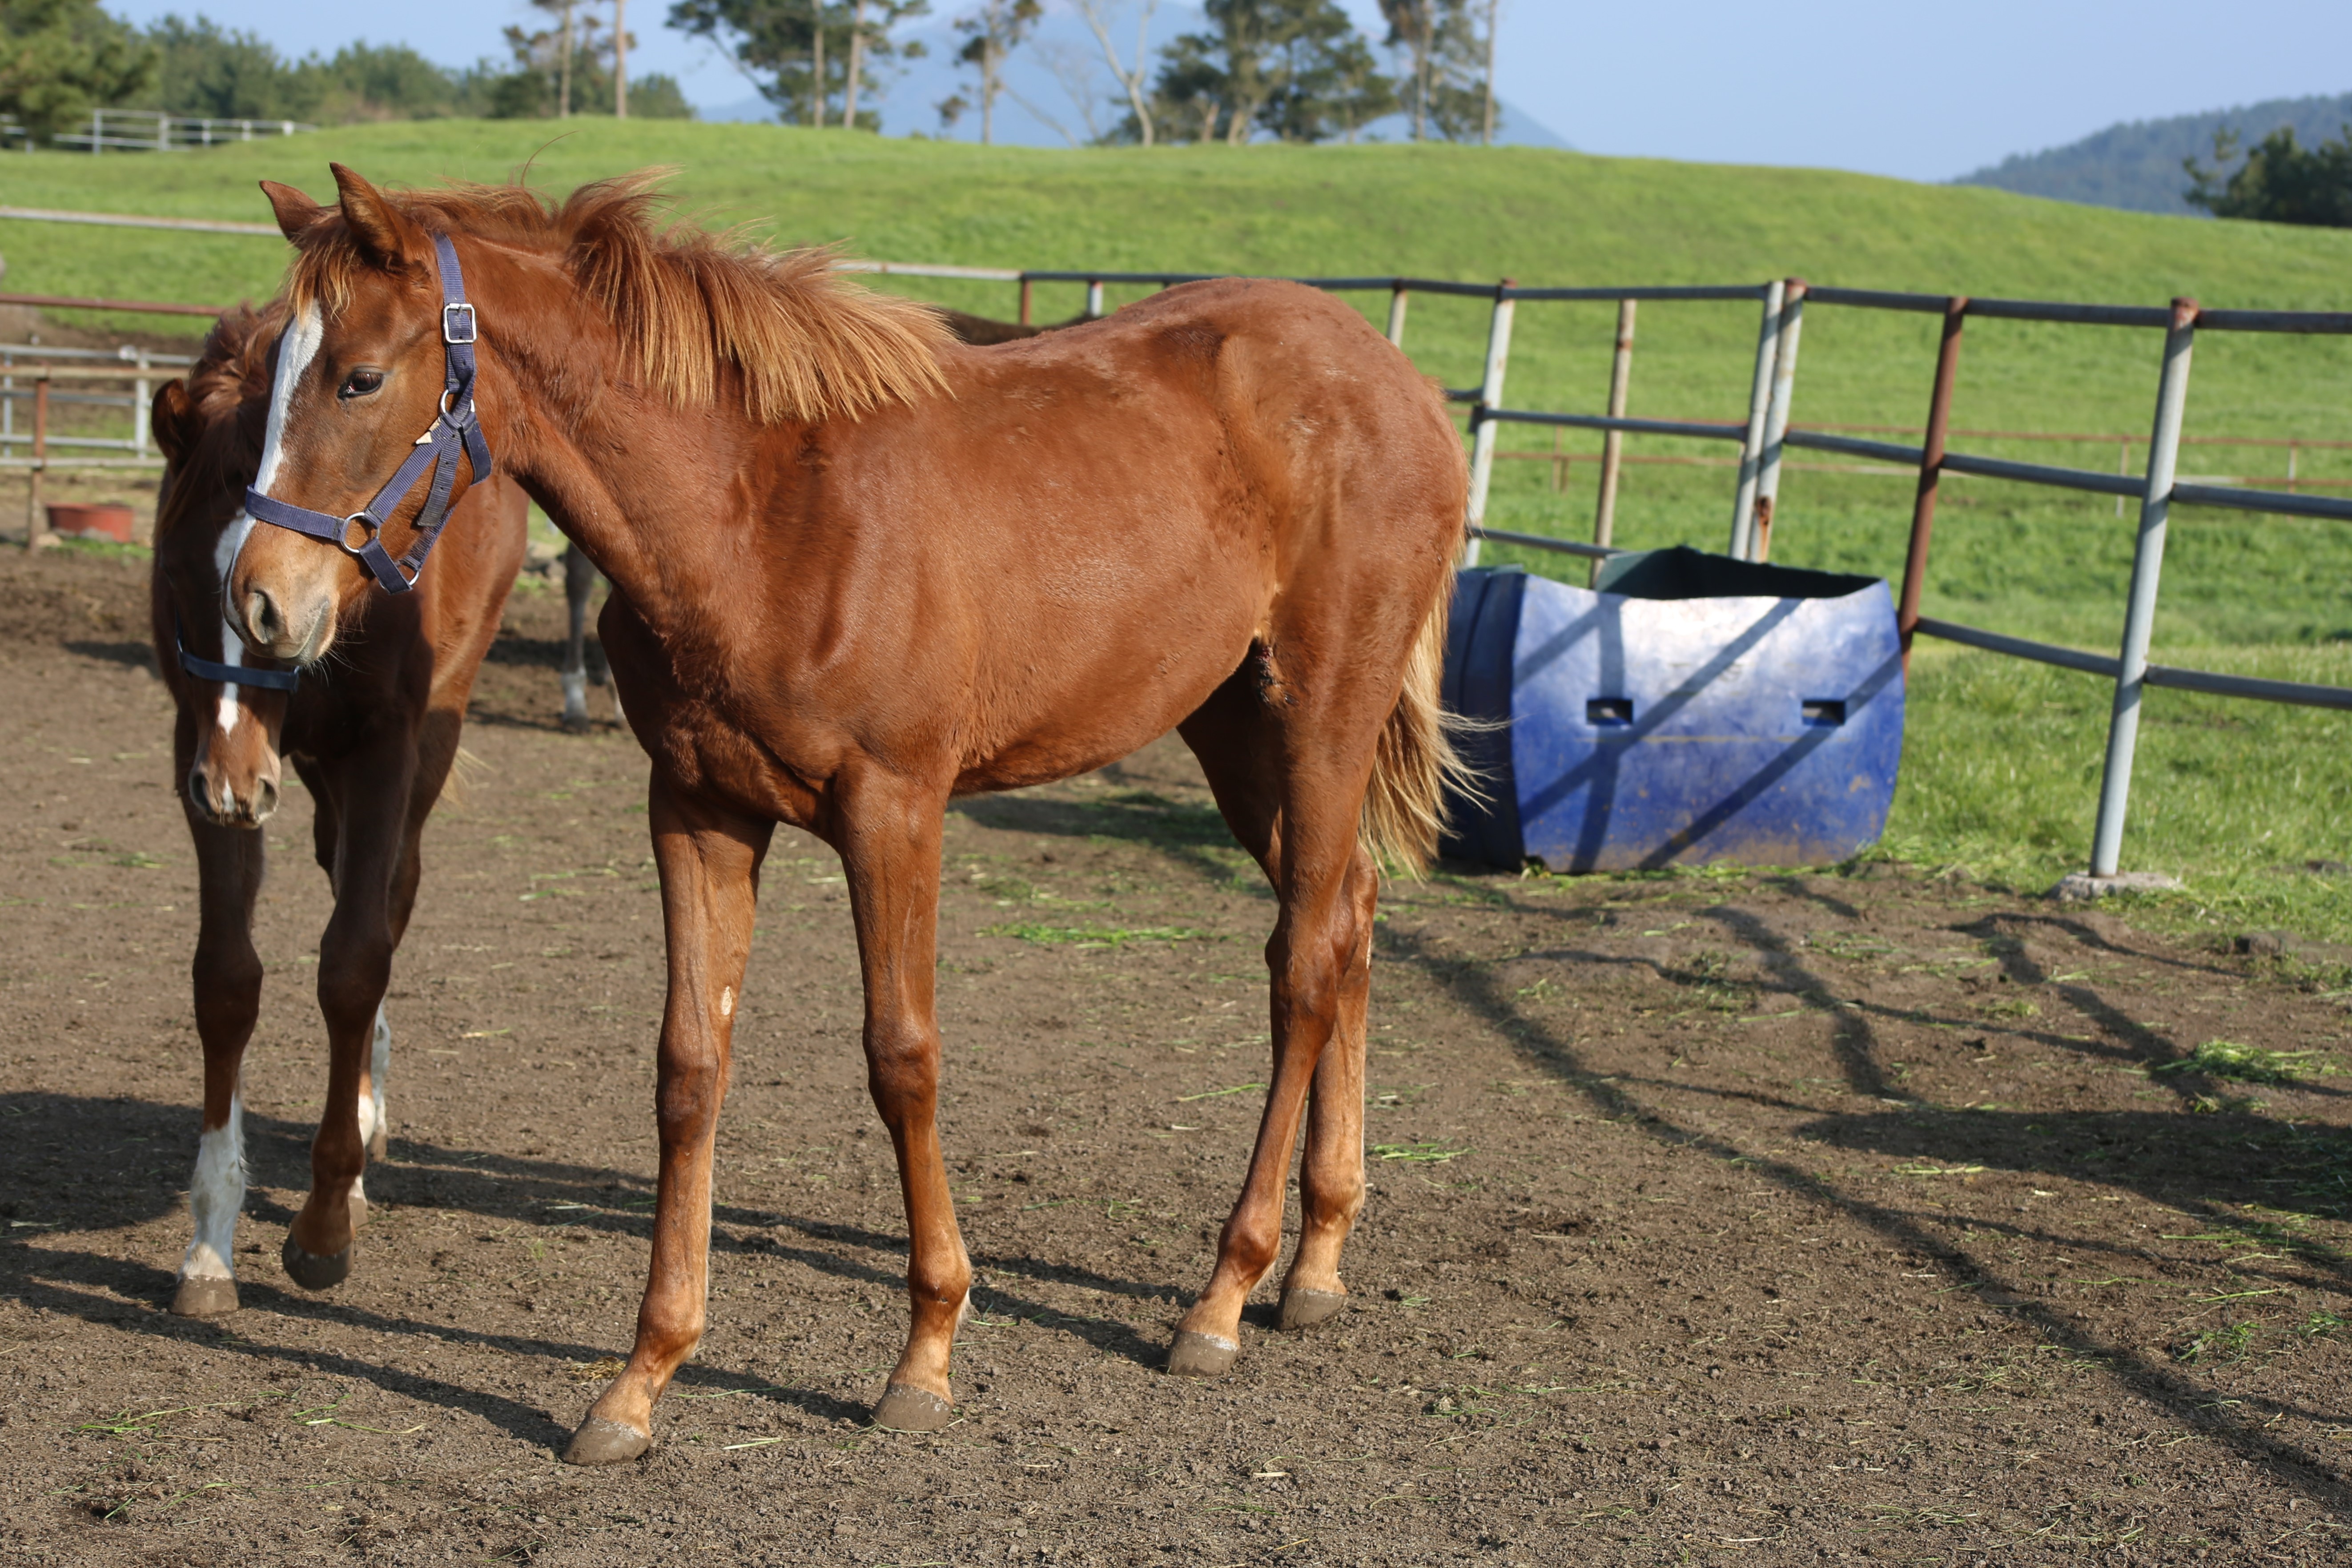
(455, 431)
(204, 668)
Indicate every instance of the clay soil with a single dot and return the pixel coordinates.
(1780, 1218)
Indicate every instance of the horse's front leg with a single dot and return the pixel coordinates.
(368, 794)
(888, 834)
(709, 862)
(228, 977)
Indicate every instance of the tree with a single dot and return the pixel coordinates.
(801, 53)
(1130, 78)
(1444, 85)
(1296, 70)
(61, 58)
(990, 33)
(573, 68)
(2280, 182)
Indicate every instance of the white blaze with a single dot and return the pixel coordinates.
(295, 352)
(231, 540)
(215, 1197)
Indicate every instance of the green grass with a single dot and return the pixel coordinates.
(2002, 758)
(2252, 1064)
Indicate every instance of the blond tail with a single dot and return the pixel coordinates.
(1404, 809)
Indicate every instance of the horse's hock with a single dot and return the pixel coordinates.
(1691, 708)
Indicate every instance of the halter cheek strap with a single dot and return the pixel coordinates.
(456, 431)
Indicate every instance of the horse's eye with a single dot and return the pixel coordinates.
(359, 382)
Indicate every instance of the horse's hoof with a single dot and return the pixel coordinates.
(905, 1408)
(1304, 1308)
(603, 1442)
(379, 1142)
(358, 1204)
(199, 1297)
(577, 724)
(313, 1272)
(1201, 1355)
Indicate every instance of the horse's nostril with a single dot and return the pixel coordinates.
(265, 800)
(262, 617)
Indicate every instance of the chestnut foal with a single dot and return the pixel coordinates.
(372, 739)
(862, 570)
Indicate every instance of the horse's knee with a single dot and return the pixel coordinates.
(902, 1073)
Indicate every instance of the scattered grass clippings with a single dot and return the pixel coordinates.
(2250, 1064)
(1092, 936)
(2216, 1345)
(1435, 1153)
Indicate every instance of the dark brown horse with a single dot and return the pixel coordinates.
(862, 570)
(372, 737)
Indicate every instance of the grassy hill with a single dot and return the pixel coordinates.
(2002, 770)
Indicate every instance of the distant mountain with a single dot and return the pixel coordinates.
(2136, 165)
(1045, 78)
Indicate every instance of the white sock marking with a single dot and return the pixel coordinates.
(215, 1197)
(379, 1064)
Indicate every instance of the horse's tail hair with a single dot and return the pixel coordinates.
(1416, 763)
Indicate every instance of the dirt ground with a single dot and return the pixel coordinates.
(1775, 1217)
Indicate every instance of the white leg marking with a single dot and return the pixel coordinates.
(379, 1064)
(575, 694)
(215, 1197)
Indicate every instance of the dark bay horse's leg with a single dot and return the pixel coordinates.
(1289, 774)
(369, 792)
(227, 976)
(709, 862)
(579, 582)
(889, 844)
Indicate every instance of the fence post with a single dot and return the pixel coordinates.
(1931, 472)
(1612, 443)
(2139, 610)
(1759, 398)
(143, 411)
(1094, 297)
(1028, 299)
(37, 522)
(163, 133)
(1776, 418)
(1482, 430)
(1397, 297)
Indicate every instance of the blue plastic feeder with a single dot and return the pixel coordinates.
(1691, 708)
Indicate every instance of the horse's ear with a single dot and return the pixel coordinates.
(174, 421)
(295, 211)
(384, 236)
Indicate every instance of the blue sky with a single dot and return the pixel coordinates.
(1920, 91)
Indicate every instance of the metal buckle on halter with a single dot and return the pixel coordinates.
(450, 327)
(370, 525)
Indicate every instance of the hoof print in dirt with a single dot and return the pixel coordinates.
(603, 1442)
(1305, 1309)
(905, 1408)
(1201, 1355)
(198, 1297)
(313, 1272)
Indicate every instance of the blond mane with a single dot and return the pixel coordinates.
(688, 305)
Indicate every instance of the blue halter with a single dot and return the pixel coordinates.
(456, 431)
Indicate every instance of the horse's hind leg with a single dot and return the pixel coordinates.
(579, 582)
(1292, 786)
(1331, 1169)
(227, 983)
